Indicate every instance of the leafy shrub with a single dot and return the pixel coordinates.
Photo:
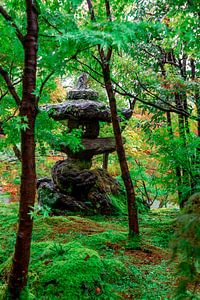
(186, 246)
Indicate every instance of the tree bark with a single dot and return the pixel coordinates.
(28, 109)
(132, 209)
(105, 161)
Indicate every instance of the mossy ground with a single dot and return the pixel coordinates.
(76, 257)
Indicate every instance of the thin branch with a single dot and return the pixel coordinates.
(17, 152)
(16, 82)
(184, 112)
(47, 36)
(128, 94)
(10, 86)
(96, 58)
(10, 117)
(147, 52)
(87, 66)
(42, 86)
(154, 95)
(51, 25)
(132, 104)
(156, 195)
(3, 94)
(8, 18)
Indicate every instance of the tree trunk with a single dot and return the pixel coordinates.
(132, 210)
(186, 179)
(28, 109)
(105, 161)
(178, 169)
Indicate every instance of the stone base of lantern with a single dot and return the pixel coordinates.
(86, 192)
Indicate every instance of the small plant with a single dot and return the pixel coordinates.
(38, 210)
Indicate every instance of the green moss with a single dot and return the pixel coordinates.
(74, 257)
(71, 271)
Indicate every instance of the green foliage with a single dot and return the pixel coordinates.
(139, 34)
(54, 134)
(186, 246)
(173, 153)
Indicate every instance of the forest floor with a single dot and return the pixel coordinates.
(76, 257)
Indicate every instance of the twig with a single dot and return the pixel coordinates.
(10, 86)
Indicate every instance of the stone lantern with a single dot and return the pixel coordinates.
(74, 185)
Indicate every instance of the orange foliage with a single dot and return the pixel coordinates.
(59, 94)
(13, 190)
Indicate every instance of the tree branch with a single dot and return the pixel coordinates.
(125, 93)
(10, 117)
(42, 86)
(8, 18)
(3, 94)
(96, 58)
(10, 86)
(87, 66)
(157, 97)
(51, 25)
(91, 10)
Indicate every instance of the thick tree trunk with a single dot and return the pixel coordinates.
(132, 210)
(18, 275)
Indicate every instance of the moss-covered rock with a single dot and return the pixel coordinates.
(79, 191)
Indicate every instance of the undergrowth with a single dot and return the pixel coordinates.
(75, 257)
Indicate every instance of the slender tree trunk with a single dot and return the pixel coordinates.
(170, 130)
(197, 94)
(178, 169)
(28, 109)
(196, 159)
(132, 210)
(186, 179)
(105, 161)
(185, 104)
